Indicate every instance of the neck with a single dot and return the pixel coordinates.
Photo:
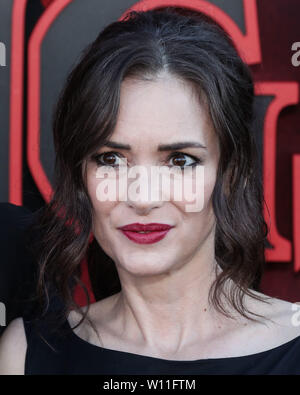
(167, 313)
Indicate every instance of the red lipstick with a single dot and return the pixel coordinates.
(156, 232)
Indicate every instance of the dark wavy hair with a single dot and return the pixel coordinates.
(190, 47)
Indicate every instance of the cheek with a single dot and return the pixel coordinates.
(198, 224)
(102, 211)
(197, 188)
(102, 208)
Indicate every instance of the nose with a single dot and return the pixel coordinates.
(142, 207)
(143, 194)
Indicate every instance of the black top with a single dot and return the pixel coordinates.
(17, 267)
(75, 356)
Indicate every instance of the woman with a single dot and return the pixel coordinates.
(159, 89)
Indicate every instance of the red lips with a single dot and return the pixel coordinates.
(136, 227)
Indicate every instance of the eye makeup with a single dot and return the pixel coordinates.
(100, 160)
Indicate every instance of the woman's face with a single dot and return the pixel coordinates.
(155, 113)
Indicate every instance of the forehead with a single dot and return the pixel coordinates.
(162, 110)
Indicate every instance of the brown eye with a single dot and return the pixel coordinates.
(107, 159)
(180, 160)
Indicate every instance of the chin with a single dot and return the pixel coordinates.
(143, 267)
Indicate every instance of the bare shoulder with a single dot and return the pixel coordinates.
(13, 346)
(100, 313)
(281, 317)
(273, 322)
(274, 308)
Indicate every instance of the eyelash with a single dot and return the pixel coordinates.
(96, 158)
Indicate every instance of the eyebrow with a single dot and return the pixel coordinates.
(162, 147)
